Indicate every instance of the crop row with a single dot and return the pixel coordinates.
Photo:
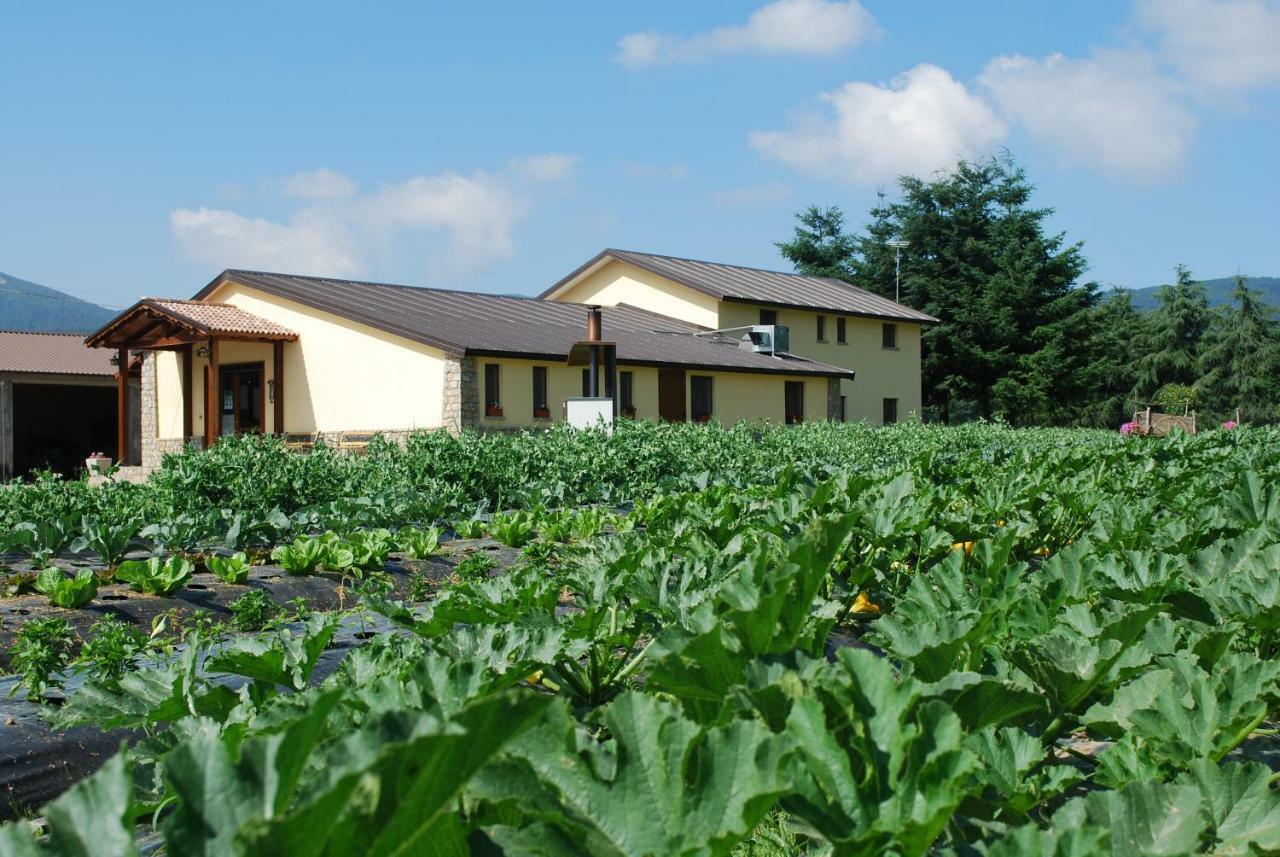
(1057, 648)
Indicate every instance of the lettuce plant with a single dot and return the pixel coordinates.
(66, 591)
(156, 576)
(232, 569)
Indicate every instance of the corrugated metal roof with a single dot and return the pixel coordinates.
(52, 353)
(754, 285)
(219, 318)
(480, 324)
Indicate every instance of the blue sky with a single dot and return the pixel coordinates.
(145, 147)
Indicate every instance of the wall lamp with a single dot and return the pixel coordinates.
(271, 390)
(204, 351)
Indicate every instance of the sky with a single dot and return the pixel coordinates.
(145, 147)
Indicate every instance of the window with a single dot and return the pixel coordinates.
(844, 414)
(822, 328)
(626, 392)
(890, 411)
(700, 392)
(889, 335)
(541, 410)
(492, 395)
(794, 401)
(768, 316)
(840, 331)
(586, 382)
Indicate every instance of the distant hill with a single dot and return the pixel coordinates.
(30, 306)
(1219, 291)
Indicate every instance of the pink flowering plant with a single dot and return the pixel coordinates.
(1230, 424)
(1128, 428)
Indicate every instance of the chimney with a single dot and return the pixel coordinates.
(593, 323)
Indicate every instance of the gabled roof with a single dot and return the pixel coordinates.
(51, 353)
(474, 324)
(151, 319)
(737, 284)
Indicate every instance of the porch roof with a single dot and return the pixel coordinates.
(162, 323)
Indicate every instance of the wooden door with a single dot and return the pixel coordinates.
(240, 399)
(671, 395)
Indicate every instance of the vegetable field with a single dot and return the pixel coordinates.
(675, 640)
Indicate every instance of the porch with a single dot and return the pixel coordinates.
(208, 370)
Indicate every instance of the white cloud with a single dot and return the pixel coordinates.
(922, 121)
(551, 167)
(318, 184)
(477, 211)
(763, 194)
(336, 234)
(1218, 44)
(1114, 110)
(310, 243)
(813, 27)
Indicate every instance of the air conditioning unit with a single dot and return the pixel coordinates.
(767, 339)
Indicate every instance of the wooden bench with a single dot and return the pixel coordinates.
(355, 442)
(298, 442)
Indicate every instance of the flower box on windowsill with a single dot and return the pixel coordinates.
(629, 413)
(493, 410)
(702, 418)
(795, 420)
(542, 413)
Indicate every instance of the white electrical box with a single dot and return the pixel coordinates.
(589, 412)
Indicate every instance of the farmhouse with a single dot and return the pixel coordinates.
(310, 356)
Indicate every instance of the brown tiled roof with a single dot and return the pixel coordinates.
(163, 317)
(52, 353)
(753, 285)
(479, 324)
(219, 318)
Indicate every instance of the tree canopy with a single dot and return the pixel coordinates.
(1022, 334)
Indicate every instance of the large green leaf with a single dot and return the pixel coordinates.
(662, 784)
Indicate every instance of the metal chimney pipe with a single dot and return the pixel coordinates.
(593, 335)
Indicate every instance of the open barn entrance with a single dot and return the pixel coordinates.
(56, 426)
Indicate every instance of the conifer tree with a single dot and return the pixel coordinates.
(1240, 360)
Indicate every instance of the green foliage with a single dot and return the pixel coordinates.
(156, 576)
(253, 610)
(42, 650)
(232, 569)
(514, 529)
(418, 543)
(110, 649)
(66, 591)
(1177, 397)
(302, 557)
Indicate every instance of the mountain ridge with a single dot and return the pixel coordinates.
(29, 306)
(1219, 290)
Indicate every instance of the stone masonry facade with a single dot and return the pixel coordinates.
(833, 399)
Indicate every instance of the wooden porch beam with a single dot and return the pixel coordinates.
(212, 407)
(188, 406)
(277, 379)
(122, 406)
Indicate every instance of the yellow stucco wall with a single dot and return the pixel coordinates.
(621, 283)
(342, 375)
(881, 373)
(741, 396)
(515, 385)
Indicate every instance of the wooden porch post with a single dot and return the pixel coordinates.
(122, 406)
(212, 407)
(277, 376)
(188, 406)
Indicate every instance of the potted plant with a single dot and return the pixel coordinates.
(541, 413)
(97, 464)
(493, 409)
(702, 418)
(629, 413)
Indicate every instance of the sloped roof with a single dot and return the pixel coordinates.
(165, 317)
(736, 283)
(470, 323)
(51, 353)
